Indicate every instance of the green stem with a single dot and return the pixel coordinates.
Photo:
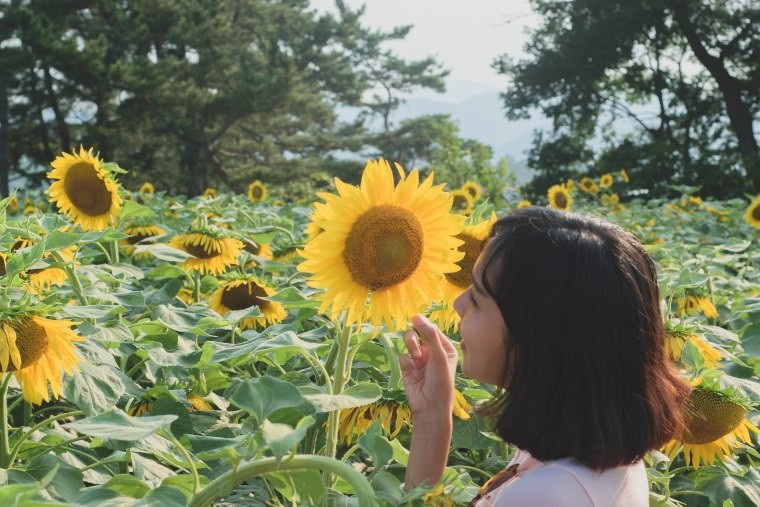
(71, 274)
(333, 419)
(225, 483)
(196, 285)
(25, 436)
(114, 251)
(57, 446)
(485, 474)
(190, 463)
(137, 366)
(394, 381)
(105, 251)
(5, 460)
(318, 368)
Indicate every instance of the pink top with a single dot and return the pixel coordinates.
(568, 483)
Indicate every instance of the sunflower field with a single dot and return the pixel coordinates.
(243, 349)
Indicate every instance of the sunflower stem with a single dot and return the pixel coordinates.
(225, 483)
(333, 420)
(196, 285)
(114, 245)
(5, 456)
(190, 463)
(71, 274)
(26, 435)
(394, 381)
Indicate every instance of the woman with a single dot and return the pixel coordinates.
(563, 313)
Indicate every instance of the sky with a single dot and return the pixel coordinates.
(465, 35)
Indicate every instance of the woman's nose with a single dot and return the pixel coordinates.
(460, 302)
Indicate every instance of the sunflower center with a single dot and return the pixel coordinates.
(460, 202)
(472, 247)
(244, 296)
(31, 340)
(203, 252)
(384, 247)
(710, 416)
(136, 238)
(86, 190)
(756, 212)
(251, 248)
(257, 192)
(560, 199)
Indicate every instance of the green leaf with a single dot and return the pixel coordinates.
(469, 434)
(720, 485)
(94, 389)
(281, 438)
(224, 352)
(163, 252)
(64, 485)
(290, 297)
(264, 395)
(57, 240)
(300, 488)
(751, 340)
(117, 425)
(92, 311)
(128, 485)
(376, 445)
(133, 209)
(354, 396)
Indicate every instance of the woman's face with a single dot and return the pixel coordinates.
(483, 333)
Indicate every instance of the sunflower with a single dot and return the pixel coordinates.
(140, 234)
(606, 180)
(716, 424)
(559, 197)
(393, 416)
(438, 497)
(84, 190)
(198, 403)
(588, 185)
(624, 176)
(13, 204)
(37, 351)
(211, 253)
(524, 204)
(675, 343)
(209, 193)
(752, 215)
(473, 239)
(140, 408)
(605, 200)
(146, 190)
(388, 243)
(41, 280)
(570, 185)
(462, 202)
(614, 199)
(691, 303)
(472, 188)
(262, 250)
(3, 262)
(186, 296)
(246, 292)
(257, 192)
(319, 213)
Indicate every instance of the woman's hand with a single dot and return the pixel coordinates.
(428, 370)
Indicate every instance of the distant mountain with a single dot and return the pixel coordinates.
(481, 117)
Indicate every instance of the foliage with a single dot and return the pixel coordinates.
(668, 90)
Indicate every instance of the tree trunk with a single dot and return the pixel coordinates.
(5, 167)
(738, 111)
(60, 121)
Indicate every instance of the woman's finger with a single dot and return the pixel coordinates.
(412, 344)
(429, 334)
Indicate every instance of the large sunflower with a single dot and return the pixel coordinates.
(472, 188)
(675, 343)
(257, 192)
(389, 243)
(559, 197)
(209, 193)
(606, 180)
(84, 190)
(453, 284)
(38, 350)
(715, 426)
(752, 215)
(246, 292)
(140, 234)
(211, 253)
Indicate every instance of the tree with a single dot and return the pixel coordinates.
(200, 92)
(684, 73)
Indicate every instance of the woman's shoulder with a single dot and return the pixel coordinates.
(567, 482)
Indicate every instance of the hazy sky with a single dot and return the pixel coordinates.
(465, 35)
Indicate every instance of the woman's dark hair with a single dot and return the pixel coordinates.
(588, 375)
